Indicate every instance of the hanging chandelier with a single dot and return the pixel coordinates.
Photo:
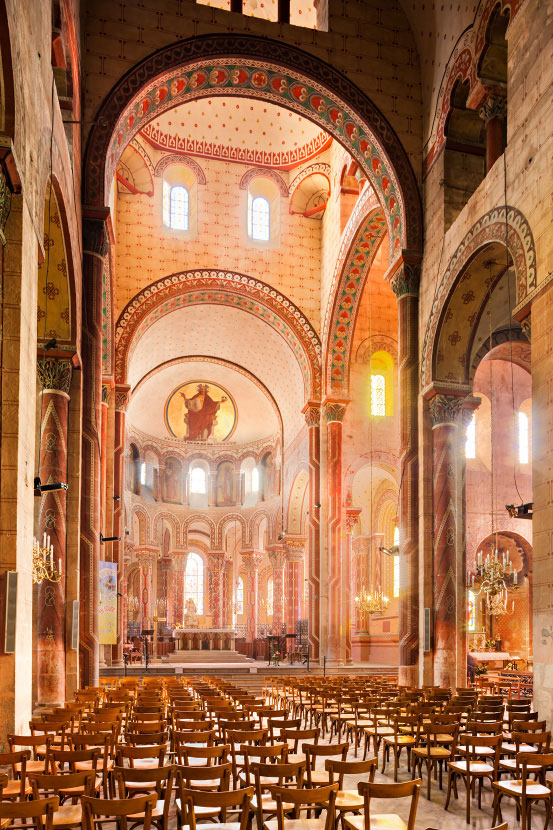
(374, 602)
(494, 576)
(43, 562)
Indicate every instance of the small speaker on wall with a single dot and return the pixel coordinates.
(10, 610)
(427, 629)
(75, 625)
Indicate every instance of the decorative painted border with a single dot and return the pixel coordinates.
(347, 300)
(321, 167)
(263, 172)
(489, 228)
(200, 67)
(224, 288)
(167, 161)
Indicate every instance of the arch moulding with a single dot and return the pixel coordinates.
(255, 67)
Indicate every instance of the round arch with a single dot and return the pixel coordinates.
(297, 502)
(264, 69)
(223, 288)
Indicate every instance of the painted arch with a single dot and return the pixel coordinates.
(268, 70)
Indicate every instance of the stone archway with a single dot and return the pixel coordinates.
(263, 69)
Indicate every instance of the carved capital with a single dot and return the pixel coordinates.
(312, 412)
(495, 106)
(121, 401)
(446, 409)
(216, 561)
(352, 517)
(277, 556)
(95, 236)
(54, 374)
(5, 205)
(526, 326)
(251, 559)
(334, 411)
(295, 548)
(106, 393)
(406, 277)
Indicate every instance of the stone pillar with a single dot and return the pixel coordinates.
(334, 411)
(55, 381)
(295, 556)
(95, 248)
(405, 281)
(217, 565)
(352, 517)
(494, 112)
(312, 413)
(166, 564)
(146, 559)
(361, 577)
(179, 567)
(277, 558)
(446, 415)
(119, 467)
(251, 560)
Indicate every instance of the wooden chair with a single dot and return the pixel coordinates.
(141, 757)
(406, 736)
(436, 750)
(70, 786)
(159, 782)
(320, 778)
(236, 740)
(267, 754)
(526, 792)
(293, 738)
(105, 744)
(472, 766)
(309, 800)
(349, 801)
(66, 760)
(38, 813)
(204, 756)
(16, 789)
(267, 776)
(524, 742)
(100, 810)
(191, 802)
(385, 821)
(36, 745)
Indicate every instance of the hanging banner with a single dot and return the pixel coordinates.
(107, 601)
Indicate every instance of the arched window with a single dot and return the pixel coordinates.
(259, 219)
(198, 482)
(396, 536)
(255, 480)
(523, 438)
(143, 473)
(175, 206)
(471, 611)
(378, 395)
(194, 581)
(470, 444)
(270, 596)
(240, 596)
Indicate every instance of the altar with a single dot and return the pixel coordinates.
(204, 639)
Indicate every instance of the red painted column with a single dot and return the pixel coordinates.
(352, 517)
(277, 558)
(145, 562)
(55, 380)
(295, 557)
(166, 565)
(493, 112)
(251, 560)
(336, 647)
(405, 283)
(119, 467)
(95, 248)
(445, 412)
(312, 413)
(217, 565)
(179, 567)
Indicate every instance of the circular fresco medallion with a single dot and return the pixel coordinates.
(201, 411)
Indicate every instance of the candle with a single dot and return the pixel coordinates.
(52, 556)
(59, 565)
(515, 578)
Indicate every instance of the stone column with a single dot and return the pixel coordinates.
(119, 466)
(334, 411)
(494, 112)
(312, 413)
(179, 567)
(55, 381)
(295, 556)
(166, 564)
(251, 560)
(146, 560)
(217, 564)
(446, 415)
(405, 281)
(95, 248)
(277, 558)
(352, 517)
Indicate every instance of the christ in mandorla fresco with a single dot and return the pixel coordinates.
(201, 414)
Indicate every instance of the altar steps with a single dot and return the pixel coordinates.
(205, 656)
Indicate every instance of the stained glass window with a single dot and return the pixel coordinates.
(270, 597)
(378, 395)
(523, 455)
(240, 596)
(396, 576)
(259, 219)
(470, 444)
(198, 480)
(194, 581)
(471, 611)
(175, 206)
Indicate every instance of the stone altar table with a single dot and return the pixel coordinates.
(206, 639)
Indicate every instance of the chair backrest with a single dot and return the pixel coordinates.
(528, 726)
(297, 735)
(238, 800)
(162, 778)
(218, 775)
(407, 789)
(474, 742)
(121, 808)
(45, 785)
(543, 760)
(135, 753)
(29, 741)
(145, 739)
(542, 740)
(487, 727)
(314, 751)
(17, 758)
(280, 775)
(341, 768)
(305, 799)
(58, 758)
(41, 810)
(211, 754)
